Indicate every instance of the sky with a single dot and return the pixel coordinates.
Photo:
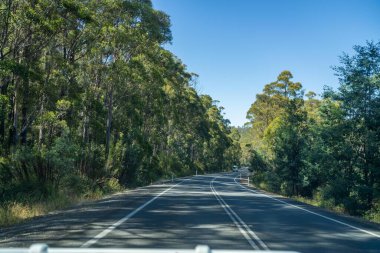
(238, 46)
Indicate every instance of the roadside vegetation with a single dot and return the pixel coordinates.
(324, 151)
(28, 206)
(91, 102)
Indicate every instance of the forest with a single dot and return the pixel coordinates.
(323, 150)
(91, 102)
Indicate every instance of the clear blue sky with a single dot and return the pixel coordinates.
(238, 46)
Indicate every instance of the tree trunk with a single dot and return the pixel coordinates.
(40, 128)
(109, 121)
(3, 91)
(13, 130)
(24, 118)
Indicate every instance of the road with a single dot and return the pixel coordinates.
(213, 209)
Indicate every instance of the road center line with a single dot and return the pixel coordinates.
(242, 231)
(317, 214)
(125, 218)
(242, 226)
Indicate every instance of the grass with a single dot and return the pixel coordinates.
(321, 203)
(15, 212)
(372, 215)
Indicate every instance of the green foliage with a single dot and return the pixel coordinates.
(374, 213)
(91, 101)
(62, 157)
(281, 136)
(325, 151)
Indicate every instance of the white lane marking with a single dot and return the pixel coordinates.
(240, 225)
(242, 231)
(124, 219)
(246, 227)
(317, 214)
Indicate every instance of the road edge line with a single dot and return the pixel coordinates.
(317, 214)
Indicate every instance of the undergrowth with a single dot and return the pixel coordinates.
(318, 200)
(22, 206)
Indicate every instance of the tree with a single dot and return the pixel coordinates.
(359, 96)
(88, 94)
(328, 147)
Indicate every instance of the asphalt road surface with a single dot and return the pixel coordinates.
(216, 210)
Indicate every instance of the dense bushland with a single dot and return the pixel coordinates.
(327, 149)
(90, 100)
